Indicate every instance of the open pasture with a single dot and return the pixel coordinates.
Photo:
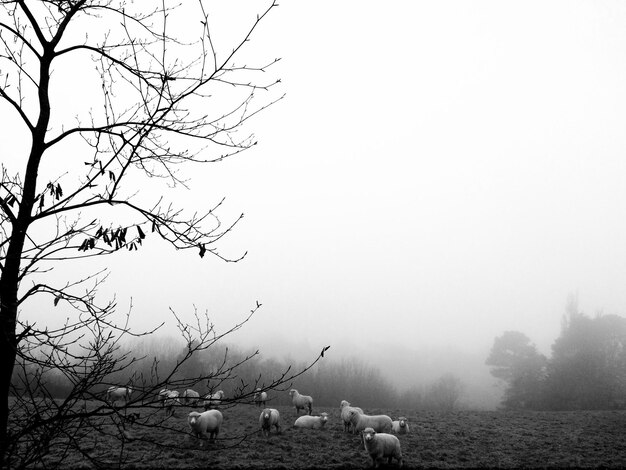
(467, 439)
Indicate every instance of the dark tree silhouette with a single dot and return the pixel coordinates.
(515, 360)
(162, 95)
(588, 365)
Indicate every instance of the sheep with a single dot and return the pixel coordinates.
(163, 395)
(269, 417)
(260, 397)
(311, 422)
(115, 394)
(213, 401)
(360, 421)
(190, 397)
(171, 399)
(301, 401)
(381, 445)
(400, 426)
(345, 417)
(208, 422)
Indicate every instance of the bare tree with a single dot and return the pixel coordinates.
(162, 94)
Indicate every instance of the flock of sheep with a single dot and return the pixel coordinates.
(376, 430)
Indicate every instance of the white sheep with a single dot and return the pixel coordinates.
(301, 401)
(260, 397)
(163, 395)
(115, 394)
(381, 445)
(311, 422)
(213, 401)
(171, 400)
(360, 421)
(400, 426)
(206, 423)
(190, 397)
(269, 417)
(345, 408)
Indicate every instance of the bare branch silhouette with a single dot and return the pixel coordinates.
(168, 96)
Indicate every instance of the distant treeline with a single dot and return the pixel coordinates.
(587, 369)
(329, 381)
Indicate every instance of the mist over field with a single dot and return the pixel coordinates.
(584, 368)
(404, 367)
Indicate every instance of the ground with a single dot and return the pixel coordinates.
(463, 439)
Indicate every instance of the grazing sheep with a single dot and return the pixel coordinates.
(171, 400)
(360, 421)
(206, 423)
(260, 397)
(190, 397)
(301, 401)
(115, 394)
(311, 422)
(400, 426)
(269, 417)
(345, 417)
(381, 445)
(213, 401)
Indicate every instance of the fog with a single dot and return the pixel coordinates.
(438, 173)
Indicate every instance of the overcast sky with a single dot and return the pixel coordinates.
(438, 173)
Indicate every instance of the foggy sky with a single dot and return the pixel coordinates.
(438, 173)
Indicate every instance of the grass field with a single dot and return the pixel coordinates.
(437, 440)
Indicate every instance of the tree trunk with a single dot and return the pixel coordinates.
(10, 277)
(8, 344)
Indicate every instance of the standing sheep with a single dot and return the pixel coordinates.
(171, 400)
(115, 394)
(380, 423)
(311, 422)
(269, 417)
(301, 401)
(381, 445)
(213, 401)
(208, 422)
(400, 426)
(260, 397)
(163, 395)
(345, 416)
(191, 397)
